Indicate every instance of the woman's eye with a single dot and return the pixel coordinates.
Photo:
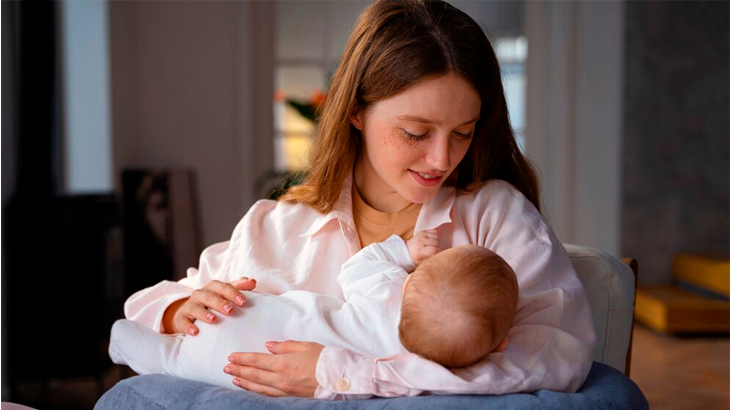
(467, 136)
(414, 137)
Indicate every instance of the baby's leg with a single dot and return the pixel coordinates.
(143, 349)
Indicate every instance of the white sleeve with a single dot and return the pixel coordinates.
(375, 264)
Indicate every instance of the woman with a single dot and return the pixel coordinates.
(414, 135)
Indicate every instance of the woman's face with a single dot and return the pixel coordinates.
(414, 140)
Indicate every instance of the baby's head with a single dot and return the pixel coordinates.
(458, 306)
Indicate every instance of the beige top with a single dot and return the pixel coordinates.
(375, 226)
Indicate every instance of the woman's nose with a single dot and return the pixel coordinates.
(437, 155)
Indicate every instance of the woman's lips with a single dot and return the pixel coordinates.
(427, 182)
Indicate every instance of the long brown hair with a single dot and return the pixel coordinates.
(394, 45)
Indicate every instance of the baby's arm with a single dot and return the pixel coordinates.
(382, 263)
(423, 245)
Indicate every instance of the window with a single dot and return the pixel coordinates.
(311, 36)
(512, 55)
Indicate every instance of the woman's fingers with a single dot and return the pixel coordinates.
(258, 388)
(253, 375)
(216, 296)
(257, 360)
(226, 291)
(207, 298)
(244, 283)
(196, 311)
(183, 324)
(256, 379)
(292, 346)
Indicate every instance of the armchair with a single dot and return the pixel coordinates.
(610, 285)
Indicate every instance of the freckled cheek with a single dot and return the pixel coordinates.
(399, 150)
(395, 141)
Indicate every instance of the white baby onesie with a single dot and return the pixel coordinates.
(366, 322)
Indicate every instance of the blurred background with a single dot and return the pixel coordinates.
(136, 133)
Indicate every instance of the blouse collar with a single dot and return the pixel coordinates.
(434, 213)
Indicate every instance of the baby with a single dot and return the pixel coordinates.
(454, 309)
(458, 306)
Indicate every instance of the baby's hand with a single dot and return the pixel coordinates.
(423, 245)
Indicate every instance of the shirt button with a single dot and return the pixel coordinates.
(342, 384)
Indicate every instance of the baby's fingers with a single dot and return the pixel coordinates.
(430, 233)
(429, 251)
(431, 242)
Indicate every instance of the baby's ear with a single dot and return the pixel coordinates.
(501, 346)
(405, 282)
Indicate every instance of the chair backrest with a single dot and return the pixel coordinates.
(611, 287)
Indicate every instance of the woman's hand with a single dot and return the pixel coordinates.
(219, 296)
(289, 371)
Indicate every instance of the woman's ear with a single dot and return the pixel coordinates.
(356, 117)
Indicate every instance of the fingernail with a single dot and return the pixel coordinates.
(227, 308)
(227, 369)
(269, 344)
(236, 382)
(209, 317)
(252, 280)
(230, 359)
(192, 330)
(240, 300)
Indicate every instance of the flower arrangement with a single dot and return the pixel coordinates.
(307, 109)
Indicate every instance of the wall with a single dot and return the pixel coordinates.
(498, 18)
(192, 87)
(676, 174)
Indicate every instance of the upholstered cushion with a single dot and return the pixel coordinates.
(610, 287)
(605, 388)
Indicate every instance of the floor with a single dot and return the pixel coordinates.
(691, 372)
(68, 394)
(675, 373)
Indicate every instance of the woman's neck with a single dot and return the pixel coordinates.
(375, 192)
